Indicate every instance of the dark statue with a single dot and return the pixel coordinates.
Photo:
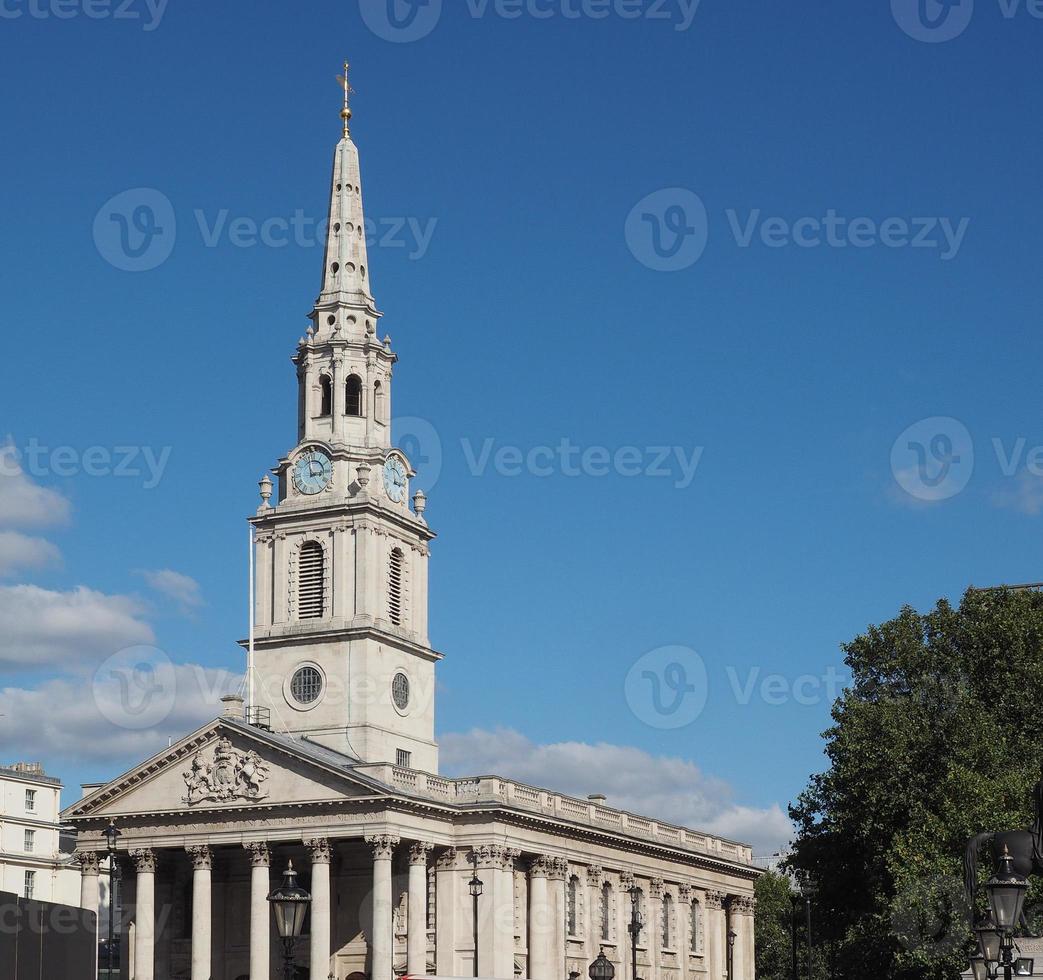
(1025, 847)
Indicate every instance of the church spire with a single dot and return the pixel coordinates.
(345, 276)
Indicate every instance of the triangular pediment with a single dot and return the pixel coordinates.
(229, 765)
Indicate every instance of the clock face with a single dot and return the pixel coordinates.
(313, 472)
(395, 479)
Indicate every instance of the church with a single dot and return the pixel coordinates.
(331, 760)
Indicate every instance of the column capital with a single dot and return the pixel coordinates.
(595, 875)
(742, 905)
(144, 859)
(419, 852)
(446, 861)
(490, 856)
(626, 880)
(546, 866)
(715, 900)
(260, 853)
(383, 846)
(201, 856)
(318, 850)
(90, 863)
(656, 888)
(684, 893)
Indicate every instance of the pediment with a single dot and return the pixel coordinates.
(229, 766)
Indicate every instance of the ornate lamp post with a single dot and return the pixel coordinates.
(111, 836)
(732, 936)
(635, 926)
(1006, 890)
(290, 903)
(601, 969)
(475, 886)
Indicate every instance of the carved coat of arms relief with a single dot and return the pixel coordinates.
(228, 775)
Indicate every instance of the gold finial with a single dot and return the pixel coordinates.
(345, 113)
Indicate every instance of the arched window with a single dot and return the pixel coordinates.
(573, 917)
(326, 401)
(353, 396)
(311, 574)
(395, 586)
(696, 927)
(378, 401)
(668, 913)
(606, 912)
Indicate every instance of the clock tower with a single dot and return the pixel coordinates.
(341, 648)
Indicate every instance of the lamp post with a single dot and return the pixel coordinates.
(290, 903)
(475, 886)
(732, 936)
(635, 927)
(601, 969)
(111, 835)
(1007, 890)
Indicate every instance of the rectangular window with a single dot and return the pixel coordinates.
(30, 841)
(30, 800)
(30, 883)
(404, 759)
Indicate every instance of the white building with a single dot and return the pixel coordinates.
(335, 765)
(32, 863)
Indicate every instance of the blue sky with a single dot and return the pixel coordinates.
(536, 155)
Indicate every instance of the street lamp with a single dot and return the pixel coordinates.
(635, 926)
(111, 835)
(475, 886)
(732, 936)
(290, 903)
(1007, 890)
(601, 969)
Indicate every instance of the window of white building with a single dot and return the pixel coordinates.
(30, 883)
(30, 841)
(30, 800)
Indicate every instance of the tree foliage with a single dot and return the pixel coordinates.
(939, 737)
(774, 894)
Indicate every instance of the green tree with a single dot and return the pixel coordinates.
(772, 927)
(939, 737)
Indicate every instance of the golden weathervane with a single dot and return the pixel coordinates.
(345, 113)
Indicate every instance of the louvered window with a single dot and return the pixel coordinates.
(353, 396)
(310, 599)
(326, 398)
(395, 586)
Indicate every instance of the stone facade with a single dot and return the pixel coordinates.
(334, 764)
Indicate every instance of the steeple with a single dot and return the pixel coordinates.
(345, 274)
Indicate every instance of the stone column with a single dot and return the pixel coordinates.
(684, 930)
(505, 914)
(446, 897)
(338, 401)
(144, 914)
(558, 875)
(202, 859)
(626, 882)
(260, 911)
(541, 921)
(716, 936)
(281, 611)
(654, 930)
(741, 911)
(90, 867)
(416, 915)
(595, 878)
(381, 942)
(321, 932)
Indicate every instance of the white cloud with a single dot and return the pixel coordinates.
(670, 789)
(1025, 495)
(62, 719)
(19, 551)
(24, 503)
(185, 591)
(43, 628)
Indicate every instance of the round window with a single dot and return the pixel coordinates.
(400, 691)
(306, 685)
